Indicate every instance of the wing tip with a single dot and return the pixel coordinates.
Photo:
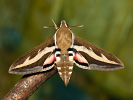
(10, 70)
(121, 65)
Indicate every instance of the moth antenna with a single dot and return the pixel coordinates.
(56, 27)
(77, 26)
(48, 26)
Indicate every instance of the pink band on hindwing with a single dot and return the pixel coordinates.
(50, 59)
(79, 58)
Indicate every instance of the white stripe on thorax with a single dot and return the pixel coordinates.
(55, 39)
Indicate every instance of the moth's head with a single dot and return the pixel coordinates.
(63, 24)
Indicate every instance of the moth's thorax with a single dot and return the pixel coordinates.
(63, 38)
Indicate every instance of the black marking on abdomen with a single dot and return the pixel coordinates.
(72, 49)
(70, 54)
(57, 55)
(57, 49)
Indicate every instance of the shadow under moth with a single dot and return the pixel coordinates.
(62, 50)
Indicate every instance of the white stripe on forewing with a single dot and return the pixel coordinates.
(103, 56)
(37, 57)
(93, 55)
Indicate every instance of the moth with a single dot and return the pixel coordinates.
(62, 50)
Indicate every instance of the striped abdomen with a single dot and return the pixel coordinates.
(64, 63)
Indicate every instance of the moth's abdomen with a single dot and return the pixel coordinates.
(65, 73)
(64, 66)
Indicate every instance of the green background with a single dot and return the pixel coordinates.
(107, 24)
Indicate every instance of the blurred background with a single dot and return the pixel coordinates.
(107, 24)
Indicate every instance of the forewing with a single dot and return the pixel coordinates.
(93, 57)
(41, 58)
